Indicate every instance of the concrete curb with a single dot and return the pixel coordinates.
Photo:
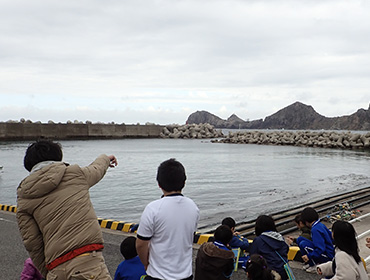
(8, 208)
(293, 254)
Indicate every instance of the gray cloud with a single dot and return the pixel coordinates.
(151, 54)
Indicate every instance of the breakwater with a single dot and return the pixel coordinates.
(19, 131)
(323, 139)
(191, 131)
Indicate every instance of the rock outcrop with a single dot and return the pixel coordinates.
(296, 116)
(192, 131)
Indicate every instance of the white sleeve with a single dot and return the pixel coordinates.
(146, 224)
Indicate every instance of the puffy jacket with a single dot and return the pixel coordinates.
(54, 211)
(266, 245)
(213, 263)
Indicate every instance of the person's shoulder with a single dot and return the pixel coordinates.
(121, 264)
(341, 254)
(154, 203)
(190, 201)
(257, 239)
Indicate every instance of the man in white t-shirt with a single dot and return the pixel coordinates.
(165, 235)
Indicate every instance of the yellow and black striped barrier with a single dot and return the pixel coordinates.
(9, 208)
(293, 254)
(115, 225)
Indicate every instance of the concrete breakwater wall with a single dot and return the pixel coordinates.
(18, 131)
(191, 131)
(324, 139)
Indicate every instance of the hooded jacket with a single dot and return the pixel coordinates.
(266, 245)
(54, 211)
(213, 263)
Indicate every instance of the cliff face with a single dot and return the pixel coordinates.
(205, 117)
(295, 116)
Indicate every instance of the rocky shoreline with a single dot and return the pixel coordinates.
(323, 139)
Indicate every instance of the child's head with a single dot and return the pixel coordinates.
(171, 175)
(223, 234)
(299, 222)
(264, 223)
(309, 215)
(344, 236)
(256, 268)
(230, 222)
(42, 150)
(128, 248)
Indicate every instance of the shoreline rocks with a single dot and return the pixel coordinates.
(323, 139)
(191, 131)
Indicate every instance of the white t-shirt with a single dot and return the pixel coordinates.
(169, 223)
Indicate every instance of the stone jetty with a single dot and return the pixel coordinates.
(323, 139)
(191, 131)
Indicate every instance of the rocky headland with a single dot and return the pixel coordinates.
(296, 116)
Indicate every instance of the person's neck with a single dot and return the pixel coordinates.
(313, 223)
(165, 193)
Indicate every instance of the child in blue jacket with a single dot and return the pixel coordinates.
(237, 241)
(322, 248)
(131, 268)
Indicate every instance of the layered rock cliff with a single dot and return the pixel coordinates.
(295, 116)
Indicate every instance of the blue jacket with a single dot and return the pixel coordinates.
(131, 269)
(266, 245)
(322, 240)
(239, 242)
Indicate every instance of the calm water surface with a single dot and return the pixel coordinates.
(242, 181)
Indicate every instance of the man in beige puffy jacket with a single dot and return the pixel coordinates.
(55, 216)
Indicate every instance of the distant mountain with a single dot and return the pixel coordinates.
(295, 116)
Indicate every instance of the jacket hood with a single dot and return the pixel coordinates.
(273, 238)
(42, 181)
(216, 257)
(212, 250)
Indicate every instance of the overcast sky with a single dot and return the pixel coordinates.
(159, 61)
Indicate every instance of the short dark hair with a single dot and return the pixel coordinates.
(223, 234)
(264, 223)
(128, 248)
(298, 219)
(228, 221)
(309, 215)
(42, 150)
(171, 175)
(345, 239)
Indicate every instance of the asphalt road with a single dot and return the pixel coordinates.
(13, 252)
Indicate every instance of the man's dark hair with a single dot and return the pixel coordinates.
(42, 150)
(128, 248)
(228, 221)
(223, 234)
(171, 175)
(264, 223)
(309, 215)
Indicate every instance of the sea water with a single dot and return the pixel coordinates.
(235, 180)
